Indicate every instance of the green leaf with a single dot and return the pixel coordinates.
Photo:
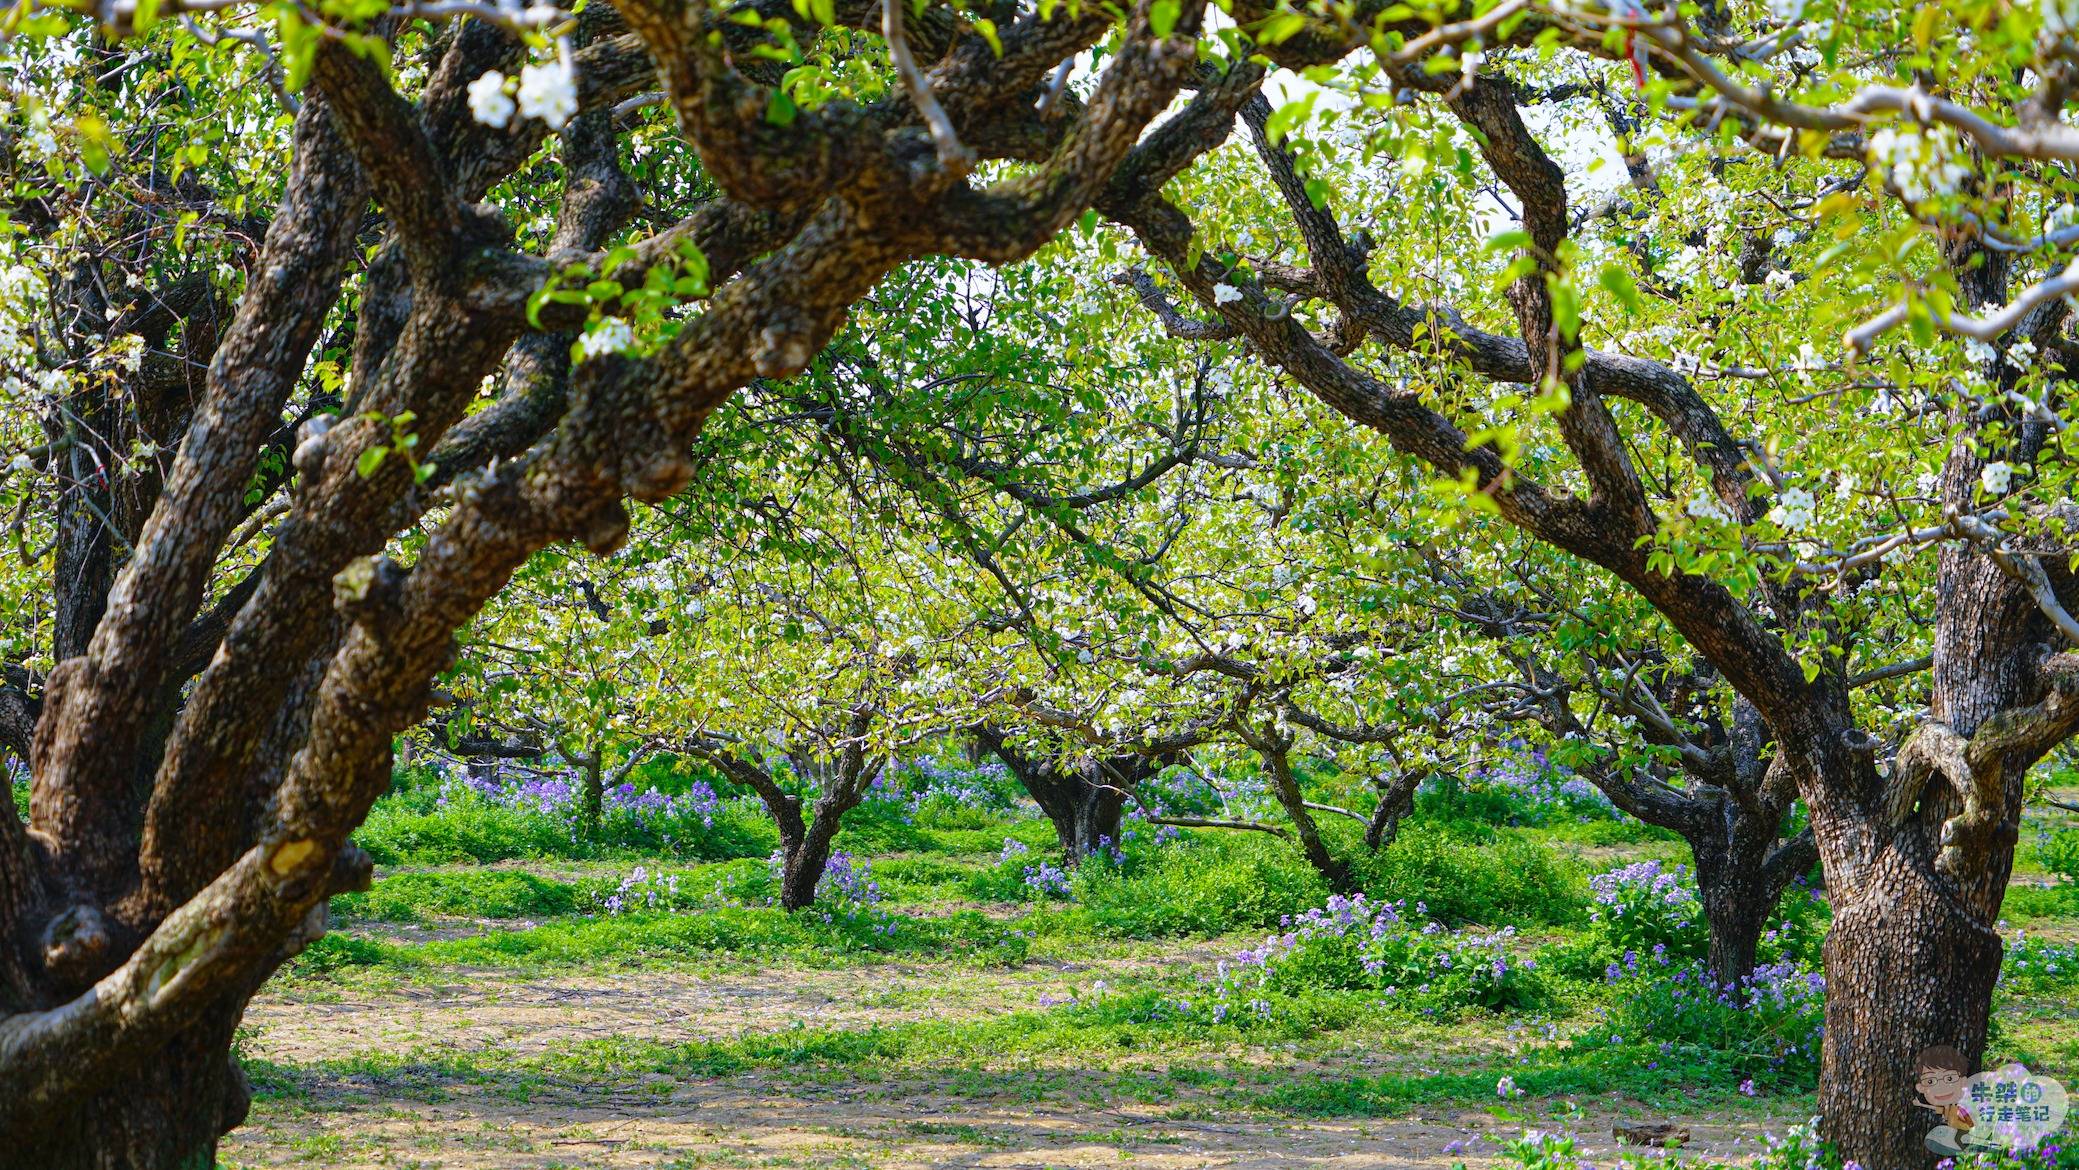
(988, 30)
(1616, 278)
(370, 459)
(1279, 27)
(1162, 17)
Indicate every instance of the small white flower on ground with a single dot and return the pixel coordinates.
(1224, 293)
(488, 101)
(1795, 511)
(1996, 478)
(549, 92)
(612, 335)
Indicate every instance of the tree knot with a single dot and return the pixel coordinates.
(368, 590)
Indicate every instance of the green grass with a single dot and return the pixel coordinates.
(639, 940)
(2038, 903)
(494, 894)
(1148, 1037)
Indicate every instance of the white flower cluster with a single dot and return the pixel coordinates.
(612, 335)
(1923, 164)
(1703, 507)
(1794, 510)
(547, 91)
(1224, 293)
(488, 102)
(1996, 478)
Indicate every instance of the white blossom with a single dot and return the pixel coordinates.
(488, 101)
(1683, 266)
(1787, 11)
(1996, 478)
(1703, 507)
(1795, 510)
(1927, 482)
(613, 335)
(1923, 164)
(1224, 293)
(1979, 352)
(549, 92)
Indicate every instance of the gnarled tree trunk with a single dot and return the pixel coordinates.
(169, 1114)
(1085, 798)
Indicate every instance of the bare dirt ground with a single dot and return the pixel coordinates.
(426, 1113)
(475, 1009)
(751, 1121)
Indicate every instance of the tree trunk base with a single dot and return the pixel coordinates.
(1906, 970)
(167, 1116)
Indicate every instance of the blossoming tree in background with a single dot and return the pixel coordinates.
(1612, 375)
(360, 404)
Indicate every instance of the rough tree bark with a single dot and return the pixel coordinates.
(196, 772)
(1084, 798)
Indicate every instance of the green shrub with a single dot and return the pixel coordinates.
(1205, 884)
(413, 828)
(2059, 853)
(1355, 944)
(1646, 908)
(410, 897)
(2030, 902)
(1507, 880)
(1766, 1030)
(2033, 966)
(333, 952)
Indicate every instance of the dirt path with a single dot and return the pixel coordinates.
(1016, 1122)
(425, 1112)
(470, 1010)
